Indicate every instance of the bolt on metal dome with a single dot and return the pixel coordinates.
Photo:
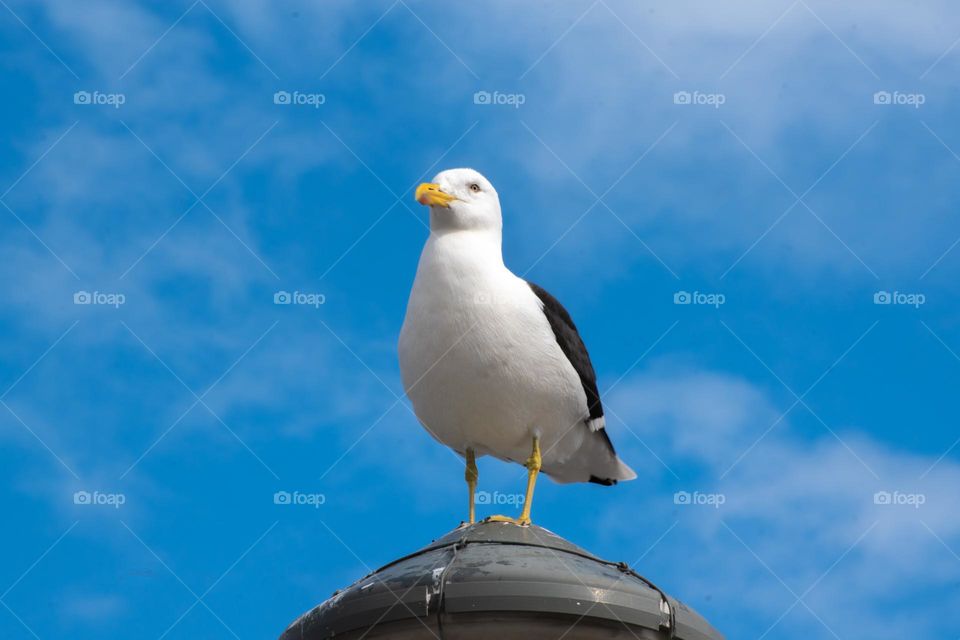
(499, 578)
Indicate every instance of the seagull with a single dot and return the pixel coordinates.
(493, 364)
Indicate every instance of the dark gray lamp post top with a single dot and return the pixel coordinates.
(500, 580)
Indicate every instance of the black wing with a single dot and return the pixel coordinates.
(572, 346)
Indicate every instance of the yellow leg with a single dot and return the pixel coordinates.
(533, 469)
(472, 475)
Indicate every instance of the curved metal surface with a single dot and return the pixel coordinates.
(500, 578)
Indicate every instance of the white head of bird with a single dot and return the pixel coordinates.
(461, 200)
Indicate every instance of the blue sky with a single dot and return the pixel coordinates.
(737, 152)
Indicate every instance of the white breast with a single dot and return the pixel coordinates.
(479, 360)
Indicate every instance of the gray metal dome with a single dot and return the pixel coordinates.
(499, 579)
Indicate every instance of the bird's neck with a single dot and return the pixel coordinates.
(483, 246)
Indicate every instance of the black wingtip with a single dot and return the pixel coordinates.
(607, 482)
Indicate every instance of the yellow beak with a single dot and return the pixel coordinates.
(431, 195)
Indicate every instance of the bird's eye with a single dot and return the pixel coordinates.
(475, 188)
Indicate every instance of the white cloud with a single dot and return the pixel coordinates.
(799, 99)
(694, 199)
(798, 504)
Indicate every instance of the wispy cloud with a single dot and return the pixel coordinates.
(794, 510)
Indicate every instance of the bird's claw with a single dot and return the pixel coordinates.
(521, 522)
